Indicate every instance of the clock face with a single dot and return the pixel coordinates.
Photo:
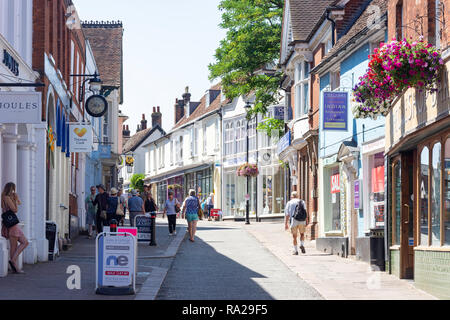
(96, 106)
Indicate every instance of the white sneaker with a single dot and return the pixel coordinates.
(174, 233)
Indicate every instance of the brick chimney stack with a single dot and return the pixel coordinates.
(179, 110)
(186, 96)
(156, 117)
(143, 123)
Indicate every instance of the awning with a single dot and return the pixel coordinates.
(178, 173)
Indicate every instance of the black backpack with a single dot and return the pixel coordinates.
(300, 212)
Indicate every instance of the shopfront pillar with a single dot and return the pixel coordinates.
(24, 183)
(9, 158)
(3, 242)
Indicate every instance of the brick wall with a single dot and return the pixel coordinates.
(432, 272)
(352, 8)
(418, 19)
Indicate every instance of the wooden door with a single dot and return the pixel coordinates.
(408, 164)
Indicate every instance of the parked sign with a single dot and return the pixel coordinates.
(81, 138)
(116, 260)
(20, 107)
(335, 111)
(144, 226)
(51, 232)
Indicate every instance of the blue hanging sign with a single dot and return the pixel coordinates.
(335, 111)
(284, 142)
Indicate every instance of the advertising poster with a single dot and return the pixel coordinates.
(335, 111)
(117, 261)
(81, 138)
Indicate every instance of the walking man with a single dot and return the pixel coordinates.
(101, 201)
(296, 220)
(135, 206)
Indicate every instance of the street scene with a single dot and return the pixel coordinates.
(225, 150)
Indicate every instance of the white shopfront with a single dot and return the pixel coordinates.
(22, 151)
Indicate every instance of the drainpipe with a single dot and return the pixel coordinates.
(333, 27)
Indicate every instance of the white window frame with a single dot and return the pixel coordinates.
(171, 152)
(302, 82)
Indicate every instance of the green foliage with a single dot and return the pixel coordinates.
(137, 182)
(272, 127)
(252, 42)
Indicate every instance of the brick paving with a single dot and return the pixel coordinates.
(335, 278)
(226, 263)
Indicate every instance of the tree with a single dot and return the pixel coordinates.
(252, 43)
(137, 182)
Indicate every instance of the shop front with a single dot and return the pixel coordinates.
(418, 210)
(235, 189)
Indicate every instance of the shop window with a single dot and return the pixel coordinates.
(436, 196)
(335, 188)
(397, 203)
(446, 220)
(377, 189)
(424, 174)
(267, 193)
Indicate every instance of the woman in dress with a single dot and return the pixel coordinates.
(190, 211)
(170, 209)
(10, 201)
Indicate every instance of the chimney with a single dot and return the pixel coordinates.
(143, 123)
(138, 128)
(156, 118)
(186, 96)
(179, 110)
(126, 132)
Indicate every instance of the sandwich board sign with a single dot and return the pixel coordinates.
(116, 263)
(51, 234)
(143, 224)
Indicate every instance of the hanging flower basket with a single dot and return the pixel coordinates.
(248, 170)
(175, 187)
(394, 68)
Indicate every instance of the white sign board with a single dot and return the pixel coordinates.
(117, 258)
(81, 138)
(20, 107)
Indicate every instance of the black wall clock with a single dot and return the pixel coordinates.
(96, 106)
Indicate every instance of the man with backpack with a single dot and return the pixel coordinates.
(296, 220)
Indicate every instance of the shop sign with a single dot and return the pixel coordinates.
(81, 138)
(335, 185)
(278, 112)
(20, 107)
(357, 194)
(104, 151)
(143, 224)
(335, 111)
(284, 142)
(10, 63)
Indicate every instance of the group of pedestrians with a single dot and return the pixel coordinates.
(103, 207)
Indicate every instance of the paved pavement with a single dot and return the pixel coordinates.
(48, 280)
(335, 278)
(226, 263)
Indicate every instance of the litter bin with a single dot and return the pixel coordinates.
(377, 249)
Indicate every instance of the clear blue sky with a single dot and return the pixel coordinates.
(167, 46)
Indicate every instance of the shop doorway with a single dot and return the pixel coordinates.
(403, 211)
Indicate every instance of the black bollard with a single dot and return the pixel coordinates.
(113, 225)
(153, 226)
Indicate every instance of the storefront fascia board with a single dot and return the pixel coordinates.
(25, 71)
(373, 147)
(56, 82)
(330, 161)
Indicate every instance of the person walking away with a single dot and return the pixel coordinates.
(101, 201)
(210, 205)
(124, 198)
(171, 207)
(11, 202)
(191, 207)
(296, 220)
(113, 207)
(135, 206)
(144, 195)
(91, 210)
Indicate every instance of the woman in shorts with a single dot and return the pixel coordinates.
(190, 211)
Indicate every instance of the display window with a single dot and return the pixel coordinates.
(335, 191)
(376, 195)
(434, 191)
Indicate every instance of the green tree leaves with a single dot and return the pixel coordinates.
(137, 181)
(252, 42)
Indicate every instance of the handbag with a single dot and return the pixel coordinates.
(177, 207)
(9, 219)
(103, 215)
(200, 211)
(119, 210)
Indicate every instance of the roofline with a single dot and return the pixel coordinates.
(190, 123)
(351, 41)
(146, 136)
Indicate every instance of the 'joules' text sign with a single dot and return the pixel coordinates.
(20, 107)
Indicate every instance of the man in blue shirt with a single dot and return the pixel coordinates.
(135, 206)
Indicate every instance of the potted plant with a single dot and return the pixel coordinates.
(248, 170)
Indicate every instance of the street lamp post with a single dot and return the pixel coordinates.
(247, 208)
